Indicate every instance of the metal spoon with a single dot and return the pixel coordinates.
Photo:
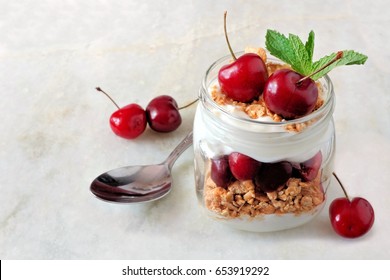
(140, 183)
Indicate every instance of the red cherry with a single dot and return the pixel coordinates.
(220, 171)
(351, 218)
(310, 168)
(128, 122)
(273, 175)
(243, 167)
(242, 80)
(286, 96)
(163, 114)
(292, 95)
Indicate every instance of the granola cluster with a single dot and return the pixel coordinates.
(242, 198)
(257, 108)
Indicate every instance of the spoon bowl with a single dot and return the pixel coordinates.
(139, 183)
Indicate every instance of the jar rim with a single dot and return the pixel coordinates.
(327, 105)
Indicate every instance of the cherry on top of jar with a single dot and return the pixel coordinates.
(234, 113)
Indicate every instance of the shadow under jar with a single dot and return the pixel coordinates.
(289, 162)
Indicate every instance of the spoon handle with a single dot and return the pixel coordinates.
(183, 145)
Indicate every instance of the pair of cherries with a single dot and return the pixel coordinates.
(285, 92)
(162, 114)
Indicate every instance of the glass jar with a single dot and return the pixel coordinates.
(292, 159)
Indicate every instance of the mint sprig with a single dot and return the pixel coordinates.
(299, 55)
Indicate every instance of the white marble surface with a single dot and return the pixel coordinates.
(55, 136)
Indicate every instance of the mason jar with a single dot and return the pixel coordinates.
(292, 160)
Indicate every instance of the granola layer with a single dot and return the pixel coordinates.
(241, 198)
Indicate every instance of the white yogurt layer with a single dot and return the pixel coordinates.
(222, 129)
(234, 111)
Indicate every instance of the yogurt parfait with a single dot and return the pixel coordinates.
(264, 151)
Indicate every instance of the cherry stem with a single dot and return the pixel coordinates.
(226, 36)
(106, 94)
(189, 104)
(338, 56)
(338, 180)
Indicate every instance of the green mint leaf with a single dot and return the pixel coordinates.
(349, 58)
(310, 45)
(291, 50)
(302, 61)
(279, 46)
(299, 56)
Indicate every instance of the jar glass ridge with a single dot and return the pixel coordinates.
(220, 130)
